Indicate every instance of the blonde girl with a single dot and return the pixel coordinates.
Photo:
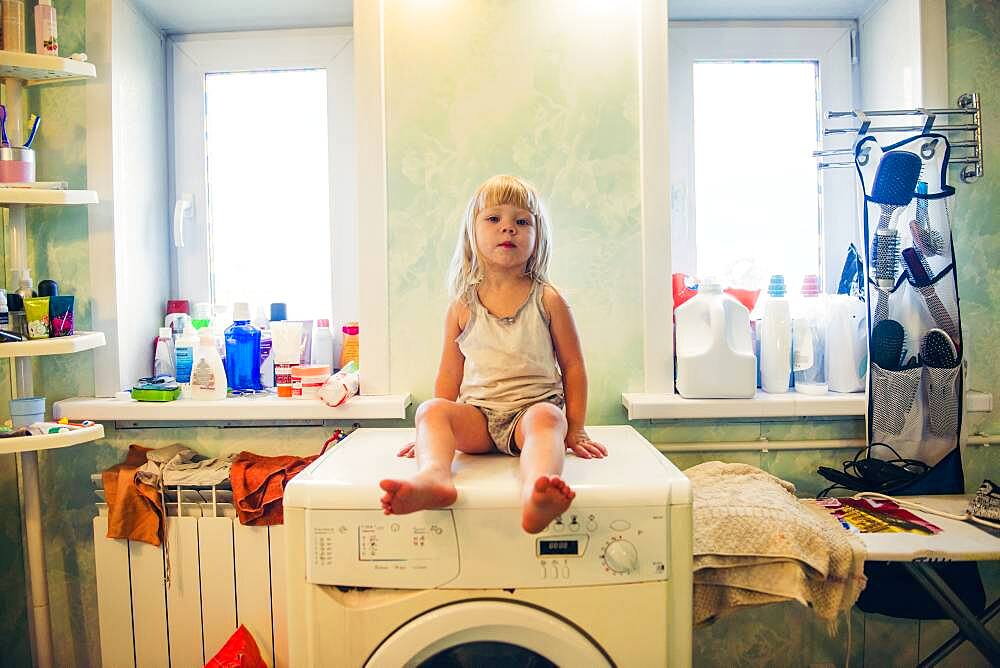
(512, 377)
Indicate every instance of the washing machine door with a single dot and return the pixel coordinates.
(487, 633)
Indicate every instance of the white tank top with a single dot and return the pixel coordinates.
(509, 362)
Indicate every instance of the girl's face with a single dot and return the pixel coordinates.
(505, 236)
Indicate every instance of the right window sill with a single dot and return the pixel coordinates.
(642, 406)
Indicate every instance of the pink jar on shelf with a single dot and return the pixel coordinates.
(17, 164)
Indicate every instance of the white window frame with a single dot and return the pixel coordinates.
(191, 57)
(826, 42)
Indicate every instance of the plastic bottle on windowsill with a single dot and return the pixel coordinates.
(715, 357)
(776, 339)
(809, 339)
(243, 351)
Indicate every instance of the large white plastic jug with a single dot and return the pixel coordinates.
(715, 357)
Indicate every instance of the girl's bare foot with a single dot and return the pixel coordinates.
(427, 489)
(550, 497)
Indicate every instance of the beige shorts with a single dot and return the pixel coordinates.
(501, 424)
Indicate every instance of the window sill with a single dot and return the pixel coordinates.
(764, 406)
(243, 409)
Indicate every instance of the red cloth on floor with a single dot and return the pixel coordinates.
(240, 651)
(135, 510)
(259, 486)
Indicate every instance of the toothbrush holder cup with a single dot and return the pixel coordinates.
(17, 164)
(27, 411)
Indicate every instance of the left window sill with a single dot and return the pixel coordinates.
(242, 409)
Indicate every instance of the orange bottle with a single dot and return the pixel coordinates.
(349, 352)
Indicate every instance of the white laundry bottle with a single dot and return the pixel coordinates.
(208, 375)
(715, 357)
(776, 339)
(809, 339)
(846, 344)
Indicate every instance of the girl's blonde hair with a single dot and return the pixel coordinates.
(466, 267)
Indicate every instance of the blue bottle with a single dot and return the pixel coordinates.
(243, 351)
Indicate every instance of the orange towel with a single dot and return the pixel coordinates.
(135, 510)
(259, 486)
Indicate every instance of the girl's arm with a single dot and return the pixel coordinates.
(449, 377)
(566, 343)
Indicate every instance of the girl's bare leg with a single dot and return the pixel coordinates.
(442, 427)
(540, 434)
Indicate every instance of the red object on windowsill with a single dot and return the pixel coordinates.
(682, 292)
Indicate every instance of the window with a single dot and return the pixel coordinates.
(745, 106)
(264, 171)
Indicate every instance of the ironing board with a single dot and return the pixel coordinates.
(957, 541)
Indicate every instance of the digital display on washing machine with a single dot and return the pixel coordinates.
(558, 548)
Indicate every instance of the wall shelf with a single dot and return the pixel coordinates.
(34, 69)
(45, 197)
(65, 439)
(250, 408)
(60, 345)
(763, 406)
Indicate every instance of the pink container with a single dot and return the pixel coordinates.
(17, 165)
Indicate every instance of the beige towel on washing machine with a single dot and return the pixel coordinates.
(756, 543)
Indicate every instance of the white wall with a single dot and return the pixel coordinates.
(904, 55)
(127, 165)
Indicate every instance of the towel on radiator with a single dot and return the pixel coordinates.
(135, 509)
(756, 543)
(259, 486)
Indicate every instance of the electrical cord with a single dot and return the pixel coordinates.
(870, 474)
(966, 517)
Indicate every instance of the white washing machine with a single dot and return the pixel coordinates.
(609, 583)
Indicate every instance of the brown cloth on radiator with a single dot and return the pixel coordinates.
(259, 486)
(135, 509)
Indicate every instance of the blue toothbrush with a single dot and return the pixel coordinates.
(3, 124)
(34, 129)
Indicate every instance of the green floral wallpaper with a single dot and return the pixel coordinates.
(560, 108)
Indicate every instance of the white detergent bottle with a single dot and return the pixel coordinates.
(809, 339)
(846, 344)
(208, 375)
(776, 339)
(715, 357)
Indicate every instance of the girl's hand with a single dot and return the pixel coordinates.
(581, 445)
(409, 451)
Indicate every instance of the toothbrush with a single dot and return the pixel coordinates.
(3, 125)
(34, 120)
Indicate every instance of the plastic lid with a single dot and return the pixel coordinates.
(279, 311)
(48, 288)
(203, 311)
(311, 370)
(166, 332)
(15, 302)
(178, 306)
(322, 322)
(241, 311)
(350, 328)
(776, 288)
(810, 285)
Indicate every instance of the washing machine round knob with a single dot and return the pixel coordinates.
(621, 556)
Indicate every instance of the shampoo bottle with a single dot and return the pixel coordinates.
(163, 358)
(46, 35)
(208, 376)
(776, 339)
(185, 347)
(322, 344)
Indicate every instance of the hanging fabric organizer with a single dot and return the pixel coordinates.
(915, 380)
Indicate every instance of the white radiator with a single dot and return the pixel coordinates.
(222, 574)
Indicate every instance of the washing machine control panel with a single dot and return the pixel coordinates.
(365, 548)
(586, 546)
(486, 548)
